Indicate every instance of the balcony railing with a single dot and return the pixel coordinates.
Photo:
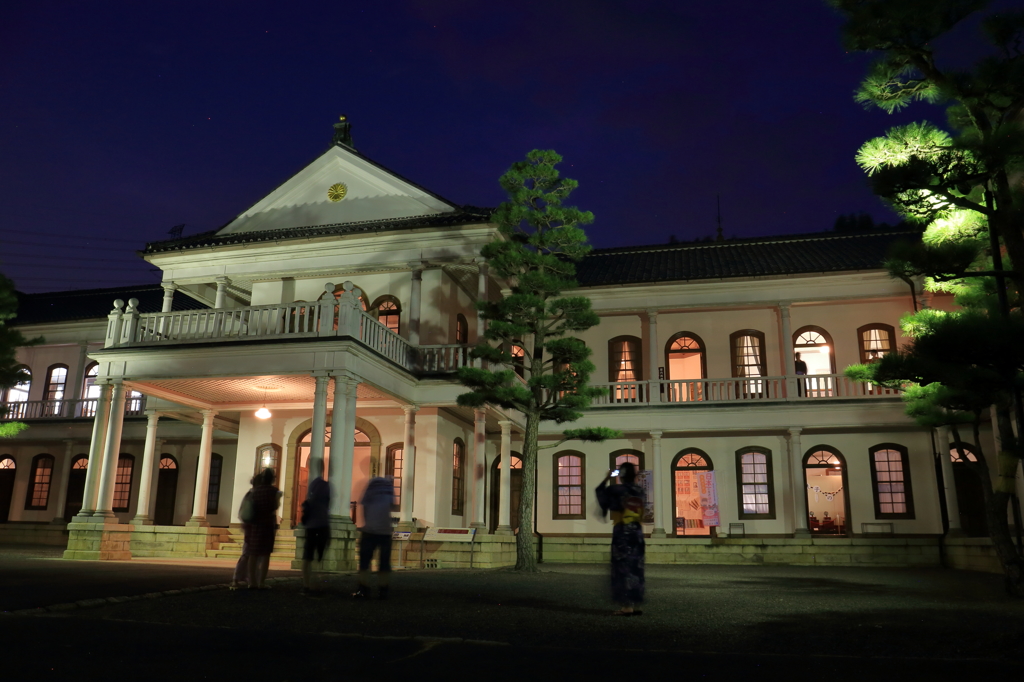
(739, 389)
(85, 408)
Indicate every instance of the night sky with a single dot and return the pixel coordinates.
(119, 120)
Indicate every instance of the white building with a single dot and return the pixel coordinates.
(343, 302)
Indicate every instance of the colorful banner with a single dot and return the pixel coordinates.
(705, 481)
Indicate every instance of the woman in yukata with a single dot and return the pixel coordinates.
(625, 501)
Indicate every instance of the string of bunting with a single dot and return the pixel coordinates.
(818, 491)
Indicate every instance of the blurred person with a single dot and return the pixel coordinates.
(316, 521)
(625, 503)
(376, 535)
(262, 531)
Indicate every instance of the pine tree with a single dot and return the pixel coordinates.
(11, 373)
(539, 242)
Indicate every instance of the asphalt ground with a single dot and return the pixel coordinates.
(707, 622)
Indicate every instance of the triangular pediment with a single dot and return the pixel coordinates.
(371, 193)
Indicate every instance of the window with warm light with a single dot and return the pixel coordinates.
(39, 482)
(123, 482)
(569, 485)
(876, 341)
(388, 312)
(393, 469)
(890, 476)
(461, 329)
(458, 477)
(518, 359)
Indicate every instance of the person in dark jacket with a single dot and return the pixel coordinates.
(262, 531)
(316, 522)
(625, 502)
(376, 535)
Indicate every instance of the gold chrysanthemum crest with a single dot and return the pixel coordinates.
(337, 191)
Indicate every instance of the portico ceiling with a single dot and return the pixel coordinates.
(243, 392)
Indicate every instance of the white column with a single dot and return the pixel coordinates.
(65, 472)
(203, 471)
(99, 435)
(948, 482)
(653, 356)
(149, 459)
(415, 302)
(478, 467)
(111, 451)
(222, 292)
(318, 435)
(658, 486)
(481, 295)
(799, 486)
(505, 485)
(408, 467)
(169, 289)
(788, 361)
(343, 428)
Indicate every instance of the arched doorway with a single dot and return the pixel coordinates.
(166, 490)
(695, 495)
(76, 486)
(685, 363)
(516, 491)
(969, 496)
(814, 346)
(360, 467)
(828, 505)
(8, 469)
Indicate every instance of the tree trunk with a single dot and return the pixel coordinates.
(526, 557)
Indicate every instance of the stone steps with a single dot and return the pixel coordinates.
(231, 548)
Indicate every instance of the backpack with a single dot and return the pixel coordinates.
(247, 512)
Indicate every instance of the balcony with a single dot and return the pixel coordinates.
(134, 406)
(739, 390)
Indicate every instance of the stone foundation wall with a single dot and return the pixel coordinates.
(972, 554)
(15, 533)
(100, 541)
(175, 541)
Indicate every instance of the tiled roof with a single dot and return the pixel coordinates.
(86, 304)
(465, 216)
(820, 252)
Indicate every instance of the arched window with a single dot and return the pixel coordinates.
(268, 456)
(570, 482)
(89, 388)
(685, 361)
(755, 483)
(816, 349)
(748, 354)
(461, 329)
(168, 462)
(876, 340)
(690, 476)
(39, 482)
(81, 463)
(458, 477)
(213, 490)
(518, 359)
(123, 482)
(56, 380)
(890, 478)
(393, 468)
(7, 463)
(825, 484)
(19, 392)
(968, 450)
(388, 311)
(620, 457)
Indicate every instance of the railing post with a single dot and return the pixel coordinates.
(114, 325)
(130, 323)
(350, 311)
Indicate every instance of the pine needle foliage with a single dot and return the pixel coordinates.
(11, 372)
(540, 239)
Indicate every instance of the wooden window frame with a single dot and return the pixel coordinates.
(388, 298)
(458, 477)
(638, 364)
(626, 451)
(908, 488)
(703, 354)
(518, 361)
(763, 346)
(828, 342)
(389, 470)
(49, 378)
(277, 456)
(582, 485)
(755, 450)
(30, 494)
(463, 338)
(868, 327)
(213, 489)
(119, 485)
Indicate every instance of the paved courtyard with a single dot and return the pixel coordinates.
(712, 620)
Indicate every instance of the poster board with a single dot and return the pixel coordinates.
(645, 479)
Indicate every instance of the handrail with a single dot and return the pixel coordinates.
(84, 408)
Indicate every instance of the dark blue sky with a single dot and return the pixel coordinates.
(119, 120)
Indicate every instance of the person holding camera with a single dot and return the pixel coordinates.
(624, 501)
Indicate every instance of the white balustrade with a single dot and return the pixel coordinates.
(379, 338)
(440, 359)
